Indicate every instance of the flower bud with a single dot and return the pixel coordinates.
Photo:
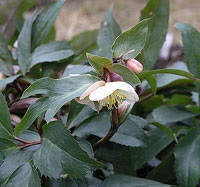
(134, 65)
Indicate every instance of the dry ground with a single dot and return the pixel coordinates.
(79, 15)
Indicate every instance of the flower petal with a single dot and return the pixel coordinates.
(92, 88)
(132, 96)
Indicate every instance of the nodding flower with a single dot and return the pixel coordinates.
(108, 94)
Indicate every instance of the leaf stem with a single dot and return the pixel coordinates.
(113, 129)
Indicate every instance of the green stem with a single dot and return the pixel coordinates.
(113, 129)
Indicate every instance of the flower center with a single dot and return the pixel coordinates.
(113, 100)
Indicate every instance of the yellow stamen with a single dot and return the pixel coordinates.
(113, 100)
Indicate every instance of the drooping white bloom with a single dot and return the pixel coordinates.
(109, 94)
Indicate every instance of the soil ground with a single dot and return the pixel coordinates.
(80, 15)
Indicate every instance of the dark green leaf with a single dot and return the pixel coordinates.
(52, 51)
(129, 181)
(78, 113)
(6, 61)
(158, 12)
(44, 22)
(191, 36)
(6, 81)
(164, 172)
(142, 155)
(25, 175)
(126, 73)
(99, 63)
(24, 45)
(5, 122)
(133, 39)
(12, 163)
(57, 92)
(107, 34)
(152, 82)
(130, 133)
(168, 114)
(187, 159)
(60, 154)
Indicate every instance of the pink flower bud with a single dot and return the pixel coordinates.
(134, 65)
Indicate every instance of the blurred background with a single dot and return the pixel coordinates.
(80, 15)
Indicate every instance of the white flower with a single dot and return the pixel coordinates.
(109, 94)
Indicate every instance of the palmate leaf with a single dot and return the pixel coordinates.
(108, 32)
(60, 154)
(187, 159)
(126, 180)
(11, 167)
(56, 93)
(131, 41)
(158, 12)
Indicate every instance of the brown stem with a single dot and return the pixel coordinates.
(29, 144)
(113, 129)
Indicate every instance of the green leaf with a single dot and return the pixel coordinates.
(133, 39)
(6, 61)
(5, 122)
(24, 45)
(60, 154)
(52, 51)
(178, 69)
(166, 130)
(164, 172)
(126, 180)
(187, 159)
(25, 175)
(56, 93)
(6, 81)
(12, 163)
(108, 32)
(126, 74)
(129, 134)
(142, 155)
(77, 114)
(44, 22)
(99, 63)
(169, 114)
(158, 12)
(152, 82)
(191, 36)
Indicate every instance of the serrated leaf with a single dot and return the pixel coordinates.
(99, 63)
(169, 114)
(6, 61)
(6, 81)
(126, 74)
(158, 12)
(126, 180)
(12, 163)
(24, 45)
(133, 39)
(25, 175)
(191, 36)
(52, 51)
(60, 154)
(44, 22)
(56, 93)
(187, 159)
(5, 122)
(108, 32)
(129, 134)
